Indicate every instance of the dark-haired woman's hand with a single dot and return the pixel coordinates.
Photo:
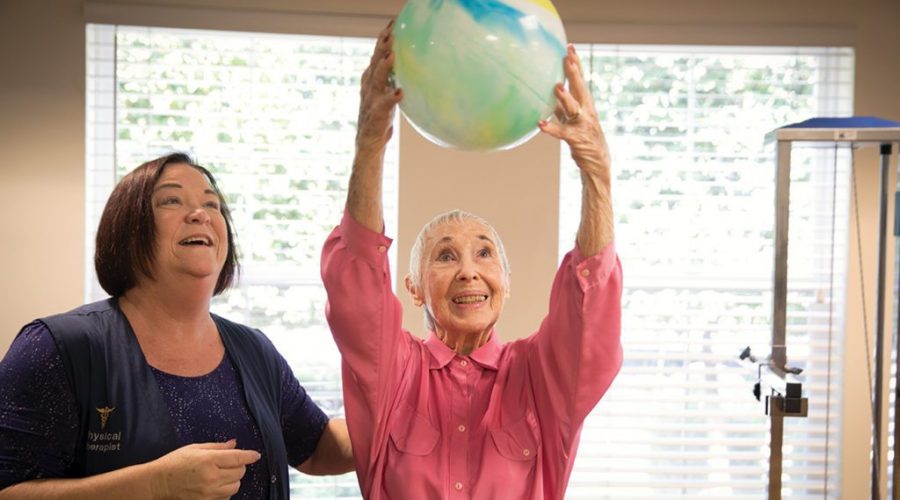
(203, 470)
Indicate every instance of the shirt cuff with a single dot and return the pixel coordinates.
(594, 270)
(362, 241)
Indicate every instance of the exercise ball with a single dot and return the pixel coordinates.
(478, 74)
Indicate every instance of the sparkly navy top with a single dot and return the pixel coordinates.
(39, 423)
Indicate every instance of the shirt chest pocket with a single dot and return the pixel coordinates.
(518, 441)
(413, 433)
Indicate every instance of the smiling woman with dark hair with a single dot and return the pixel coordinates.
(127, 232)
(147, 394)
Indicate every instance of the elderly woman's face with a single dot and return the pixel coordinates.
(191, 237)
(463, 283)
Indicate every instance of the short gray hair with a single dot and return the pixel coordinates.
(415, 253)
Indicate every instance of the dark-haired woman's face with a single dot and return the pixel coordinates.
(191, 237)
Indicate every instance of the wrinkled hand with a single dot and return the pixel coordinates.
(378, 98)
(577, 122)
(202, 471)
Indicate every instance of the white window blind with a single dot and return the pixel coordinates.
(693, 191)
(274, 118)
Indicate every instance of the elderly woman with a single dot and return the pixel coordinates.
(147, 394)
(460, 415)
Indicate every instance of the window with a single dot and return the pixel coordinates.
(693, 190)
(274, 118)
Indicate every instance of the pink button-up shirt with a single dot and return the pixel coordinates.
(501, 423)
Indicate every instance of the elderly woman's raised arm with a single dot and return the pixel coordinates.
(579, 126)
(378, 101)
(577, 351)
(363, 313)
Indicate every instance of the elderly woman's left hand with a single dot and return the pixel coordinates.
(578, 123)
(579, 126)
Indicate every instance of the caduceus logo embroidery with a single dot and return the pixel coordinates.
(104, 415)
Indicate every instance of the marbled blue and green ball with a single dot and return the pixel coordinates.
(478, 74)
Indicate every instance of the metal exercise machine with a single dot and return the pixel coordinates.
(779, 386)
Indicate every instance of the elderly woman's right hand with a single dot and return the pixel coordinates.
(378, 97)
(202, 470)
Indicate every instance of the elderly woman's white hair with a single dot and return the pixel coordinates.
(415, 253)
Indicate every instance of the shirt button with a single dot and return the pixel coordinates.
(458, 486)
(462, 428)
(526, 452)
(585, 272)
(463, 363)
(382, 248)
(274, 478)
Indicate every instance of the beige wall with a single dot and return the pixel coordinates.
(42, 137)
(42, 172)
(856, 400)
(516, 190)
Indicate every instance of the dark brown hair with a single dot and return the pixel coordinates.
(126, 235)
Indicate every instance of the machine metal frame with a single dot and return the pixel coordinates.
(777, 381)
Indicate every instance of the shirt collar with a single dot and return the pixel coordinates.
(488, 355)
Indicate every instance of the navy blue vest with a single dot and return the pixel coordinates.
(123, 419)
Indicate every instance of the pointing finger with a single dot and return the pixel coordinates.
(226, 445)
(236, 458)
